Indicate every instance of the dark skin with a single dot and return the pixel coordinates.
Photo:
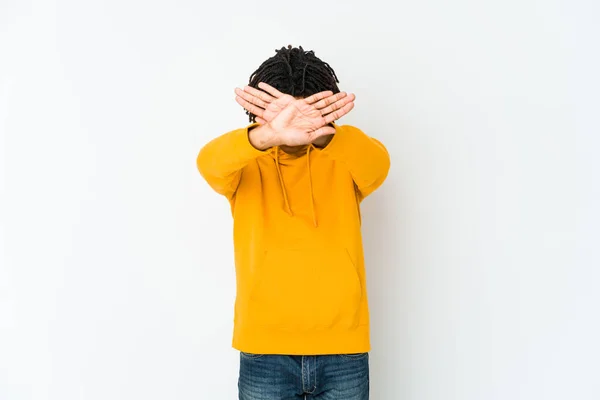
(292, 123)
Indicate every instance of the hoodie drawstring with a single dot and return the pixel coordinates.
(312, 197)
(285, 197)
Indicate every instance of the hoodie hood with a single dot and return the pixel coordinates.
(295, 160)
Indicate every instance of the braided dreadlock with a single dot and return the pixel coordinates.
(296, 72)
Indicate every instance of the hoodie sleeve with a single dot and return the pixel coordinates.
(222, 159)
(366, 158)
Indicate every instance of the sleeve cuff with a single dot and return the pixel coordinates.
(242, 145)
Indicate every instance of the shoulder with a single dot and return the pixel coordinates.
(346, 127)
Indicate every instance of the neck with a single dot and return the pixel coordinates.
(292, 149)
(320, 143)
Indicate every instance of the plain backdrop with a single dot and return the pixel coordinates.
(117, 278)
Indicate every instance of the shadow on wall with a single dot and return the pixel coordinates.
(385, 241)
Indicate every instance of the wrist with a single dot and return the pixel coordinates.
(323, 141)
(262, 137)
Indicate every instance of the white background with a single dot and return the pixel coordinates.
(117, 277)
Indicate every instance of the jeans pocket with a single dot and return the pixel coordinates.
(354, 356)
(250, 355)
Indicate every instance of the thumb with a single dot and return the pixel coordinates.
(324, 130)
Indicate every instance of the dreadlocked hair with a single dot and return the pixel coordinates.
(296, 72)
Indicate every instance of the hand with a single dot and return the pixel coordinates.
(267, 105)
(301, 123)
(264, 106)
(293, 122)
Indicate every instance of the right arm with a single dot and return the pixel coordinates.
(222, 159)
(299, 122)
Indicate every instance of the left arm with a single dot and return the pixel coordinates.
(366, 158)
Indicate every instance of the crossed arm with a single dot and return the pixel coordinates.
(283, 120)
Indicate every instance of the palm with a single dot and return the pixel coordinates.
(276, 107)
(298, 123)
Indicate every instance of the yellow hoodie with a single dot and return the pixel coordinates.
(300, 275)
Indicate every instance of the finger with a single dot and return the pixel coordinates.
(337, 105)
(339, 113)
(266, 97)
(270, 89)
(322, 131)
(330, 100)
(260, 94)
(250, 107)
(318, 96)
(250, 98)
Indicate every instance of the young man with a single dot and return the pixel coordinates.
(295, 180)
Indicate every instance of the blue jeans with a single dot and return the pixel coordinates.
(318, 377)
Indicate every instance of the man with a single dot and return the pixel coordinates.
(294, 180)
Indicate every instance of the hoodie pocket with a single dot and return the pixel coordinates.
(306, 289)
